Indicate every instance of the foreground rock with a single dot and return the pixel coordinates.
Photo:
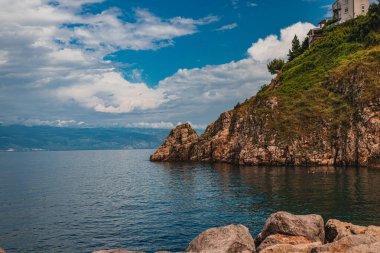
(290, 248)
(351, 243)
(178, 145)
(285, 233)
(275, 239)
(303, 228)
(336, 230)
(2, 250)
(231, 239)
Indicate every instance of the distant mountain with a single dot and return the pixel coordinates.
(24, 138)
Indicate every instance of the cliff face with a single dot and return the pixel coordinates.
(322, 109)
(177, 145)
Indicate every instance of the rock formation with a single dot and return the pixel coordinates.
(336, 230)
(297, 228)
(231, 239)
(177, 145)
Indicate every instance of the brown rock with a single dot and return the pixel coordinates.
(2, 250)
(336, 230)
(289, 248)
(282, 239)
(349, 244)
(368, 248)
(228, 239)
(117, 251)
(177, 145)
(309, 226)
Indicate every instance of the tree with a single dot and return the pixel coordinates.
(296, 48)
(275, 66)
(305, 45)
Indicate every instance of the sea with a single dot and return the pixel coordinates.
(81, 201)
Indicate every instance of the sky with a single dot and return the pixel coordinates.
(140, 63)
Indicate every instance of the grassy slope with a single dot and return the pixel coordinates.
(306, 102)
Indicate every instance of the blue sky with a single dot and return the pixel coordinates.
(254, 19)
(140, 63)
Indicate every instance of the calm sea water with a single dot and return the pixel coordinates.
(86, 200)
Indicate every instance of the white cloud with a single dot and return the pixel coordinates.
(227, 27)
(49, 65)
(109, 92)
(50, 47)
(278, 47)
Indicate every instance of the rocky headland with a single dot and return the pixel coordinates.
(322, 109)
(285, 233)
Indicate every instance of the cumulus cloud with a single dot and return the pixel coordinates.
(52, 62)
(51, 50)
(274, 46)
(109, 92)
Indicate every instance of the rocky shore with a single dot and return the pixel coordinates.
(285, 233)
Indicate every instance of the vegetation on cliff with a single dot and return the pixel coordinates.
(303, 88)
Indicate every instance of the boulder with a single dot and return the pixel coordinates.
(117, 251)
(309, 226)
(289, 248)
(177, 145)
(2, 250)
(349, 244)
(336, 230)
(369, 248)
(282, 239)
(228, 239)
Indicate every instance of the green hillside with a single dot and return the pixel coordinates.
(309, 89)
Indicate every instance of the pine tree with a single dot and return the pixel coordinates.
(305, 45)
(296, 48)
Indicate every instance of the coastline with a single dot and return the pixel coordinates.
(285, 233)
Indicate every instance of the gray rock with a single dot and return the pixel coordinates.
(289, 248)
(349, 243)
(336, 230)
(228, 239)
(310, 226)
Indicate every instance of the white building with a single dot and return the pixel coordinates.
(344, 10)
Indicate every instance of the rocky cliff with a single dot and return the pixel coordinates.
(323, 108)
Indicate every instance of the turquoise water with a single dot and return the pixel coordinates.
(85, 200)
